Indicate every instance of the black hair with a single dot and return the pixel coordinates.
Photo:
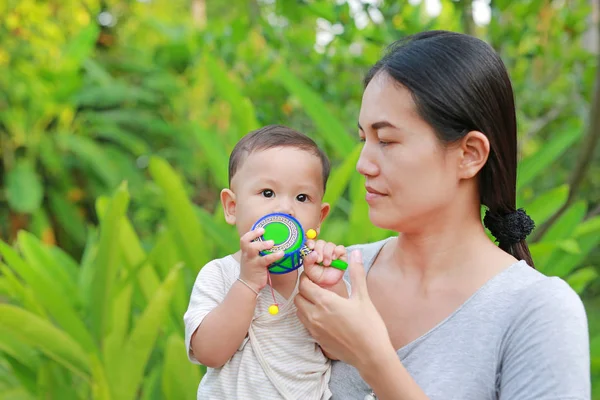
(272, 136)
(459, 84)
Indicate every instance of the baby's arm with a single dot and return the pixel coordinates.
(225, 325)
(224, 328)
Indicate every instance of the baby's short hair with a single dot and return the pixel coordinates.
(272, 136)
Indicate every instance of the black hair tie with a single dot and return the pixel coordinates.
(510, 228)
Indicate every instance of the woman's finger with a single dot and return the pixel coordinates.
(358, 278)
(311, 291)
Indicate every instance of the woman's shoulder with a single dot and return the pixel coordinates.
(534, 285)
(369, 251)
(541, 301)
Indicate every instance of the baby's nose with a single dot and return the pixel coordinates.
(286, 207)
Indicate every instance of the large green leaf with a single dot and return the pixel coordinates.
(45, 264)
(67, 214)
(50, 297)
(340, 177)
(80, 47)
(545, 205)
(180, 377)
(243, 110)
(215, 155)
(360, 227)
(182, 219)
(106, 263)
(24, 190)
(533, 166)
(13, 346)
(128, 376)
(42, 335)
(329, 126)
(90, 154)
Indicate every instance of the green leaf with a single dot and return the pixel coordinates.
(182, 220)
(244, 115)
(54, 343)
(40, 258)
(360, 226)
(329, 127)
(533, 166)
(50, 297)
(581, 278)
(80, 47)
(180, 377)
(215, 155)
(564, 227)
(341, 176)
(11, 345)
(136, 351)
(106, 263)
(89, 153)
(68, 216)
(24, 190)
(222, 234)
(545, 205)
(588, 227)
(570, 246)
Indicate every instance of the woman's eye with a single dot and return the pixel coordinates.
(268, 193)
(362, 139)
(383, 143)
(302, 198)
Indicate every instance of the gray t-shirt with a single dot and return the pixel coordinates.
(521, 336)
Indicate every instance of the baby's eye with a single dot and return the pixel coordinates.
(268, 193)
(302, 198)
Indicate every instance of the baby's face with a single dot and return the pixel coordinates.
(281, 179)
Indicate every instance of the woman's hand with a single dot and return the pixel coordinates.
(350, 329)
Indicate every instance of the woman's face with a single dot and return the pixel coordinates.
(411, 177)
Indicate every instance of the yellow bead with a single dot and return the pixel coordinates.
(311, 234)
(273, 309)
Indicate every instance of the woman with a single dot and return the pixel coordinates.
(440, 311)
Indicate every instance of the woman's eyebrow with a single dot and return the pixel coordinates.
(378, 125)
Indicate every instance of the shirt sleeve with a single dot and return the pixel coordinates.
(546, 354)
(210, 288)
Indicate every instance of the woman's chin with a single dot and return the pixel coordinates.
(382, 219)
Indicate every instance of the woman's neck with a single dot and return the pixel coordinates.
(449, 244)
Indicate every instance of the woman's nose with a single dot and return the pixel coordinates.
(365, 165)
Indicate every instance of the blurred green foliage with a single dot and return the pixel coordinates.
(116, 121)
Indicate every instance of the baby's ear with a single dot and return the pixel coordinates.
(325, 208)
(228, 202)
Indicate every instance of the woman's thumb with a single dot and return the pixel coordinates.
(358, 280)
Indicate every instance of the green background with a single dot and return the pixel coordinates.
(116, 121)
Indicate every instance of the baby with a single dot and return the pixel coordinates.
(250, 353)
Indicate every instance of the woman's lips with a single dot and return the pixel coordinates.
(373, 195)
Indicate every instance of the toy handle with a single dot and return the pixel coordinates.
(339, 264)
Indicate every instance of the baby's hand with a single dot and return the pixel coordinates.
(323, 253)
(253, 266)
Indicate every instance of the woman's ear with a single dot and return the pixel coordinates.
(475, 150)
(228, 202)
